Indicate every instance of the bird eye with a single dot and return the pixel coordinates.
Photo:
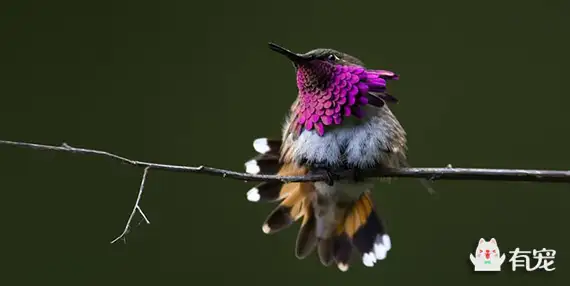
(332, 58)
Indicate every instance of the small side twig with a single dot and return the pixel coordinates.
(135, 209)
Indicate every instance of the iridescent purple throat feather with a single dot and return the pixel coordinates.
(329, 93)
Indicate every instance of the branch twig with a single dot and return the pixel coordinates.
(448, 173)
(135, 209)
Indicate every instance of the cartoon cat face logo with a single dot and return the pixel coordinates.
(487, 249)
(487, 256)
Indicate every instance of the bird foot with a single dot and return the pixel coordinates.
(330, 177)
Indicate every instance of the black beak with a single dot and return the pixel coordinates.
(294, 57)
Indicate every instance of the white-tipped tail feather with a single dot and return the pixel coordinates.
(261, 145)
(251, 167)
(381, 247)
(342, 267)
(253, 195)
(368, 259)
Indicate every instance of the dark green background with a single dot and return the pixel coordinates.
(483, 84)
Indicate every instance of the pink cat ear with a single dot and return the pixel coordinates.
(493, 241)
(481, 241)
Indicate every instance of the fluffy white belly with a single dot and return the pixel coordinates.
(362, 144)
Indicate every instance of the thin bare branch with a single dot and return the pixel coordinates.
(447, 173)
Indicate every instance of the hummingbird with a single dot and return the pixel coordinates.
(340, 121)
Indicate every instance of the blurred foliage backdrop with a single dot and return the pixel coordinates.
(483, 84)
